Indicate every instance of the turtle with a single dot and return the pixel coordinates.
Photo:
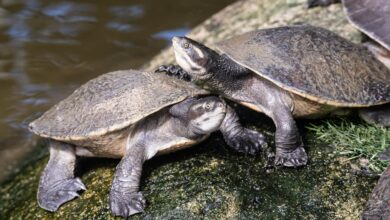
(287, 72)
(133, 115)
(372, 18)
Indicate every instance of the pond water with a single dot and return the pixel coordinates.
(49, 48)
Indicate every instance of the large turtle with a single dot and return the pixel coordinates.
(131, 115)
(287, 72)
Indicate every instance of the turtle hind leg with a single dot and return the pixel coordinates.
(322, 3)
(377, 115)
(57, 184)
(289, 145)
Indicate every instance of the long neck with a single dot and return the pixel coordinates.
(230, 68)
(226, 75)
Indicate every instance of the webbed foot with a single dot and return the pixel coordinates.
(247, 141)
(126, 204)
(51, 197)
(295, 158)
(174, 70)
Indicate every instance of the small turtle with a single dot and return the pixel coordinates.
(372, 17)
(286, 72)
(131, 115)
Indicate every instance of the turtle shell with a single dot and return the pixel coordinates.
(314, 63)
(111, 102)
(372, 17)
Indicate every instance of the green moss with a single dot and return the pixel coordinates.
(356, 140)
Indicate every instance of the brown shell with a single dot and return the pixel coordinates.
(111, 102)
(314, 63)
(372, 17)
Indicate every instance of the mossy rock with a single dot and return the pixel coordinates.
(210, 181)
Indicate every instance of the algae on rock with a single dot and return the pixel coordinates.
(208, 181)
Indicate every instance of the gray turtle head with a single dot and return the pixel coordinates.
(206, 115)
(195, 58)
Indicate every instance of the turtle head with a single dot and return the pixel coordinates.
(206, 115)
(195, 58)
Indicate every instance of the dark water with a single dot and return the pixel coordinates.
(49, 48)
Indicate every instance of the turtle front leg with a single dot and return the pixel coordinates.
(174, 70)
(57, 184)
(125, 198)
(289, 146)
(239, 138)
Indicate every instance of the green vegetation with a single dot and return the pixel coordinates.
(355, 140)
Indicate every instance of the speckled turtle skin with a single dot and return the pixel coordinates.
(306, 60)
(134, 116)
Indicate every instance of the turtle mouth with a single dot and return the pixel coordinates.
(176, 44)
(176, 40)
(210, 122)
(182, 59)
(177, 48)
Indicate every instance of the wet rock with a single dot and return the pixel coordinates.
(210, 181)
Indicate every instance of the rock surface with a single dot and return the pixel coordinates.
(209, 181)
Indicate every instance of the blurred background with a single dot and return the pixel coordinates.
(49, 48)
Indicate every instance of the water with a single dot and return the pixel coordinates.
(49, 48)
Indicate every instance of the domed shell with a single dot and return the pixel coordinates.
(111, 102)
(314, 63)
(372, 17)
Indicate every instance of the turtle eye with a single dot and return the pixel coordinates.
(208, 106)
(186, 45)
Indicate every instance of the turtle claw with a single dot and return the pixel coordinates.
(126, 204)
(174, 70)
(248, 142)
(51, 197)
(296, 158)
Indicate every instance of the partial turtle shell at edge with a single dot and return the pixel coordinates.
(372, 17)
